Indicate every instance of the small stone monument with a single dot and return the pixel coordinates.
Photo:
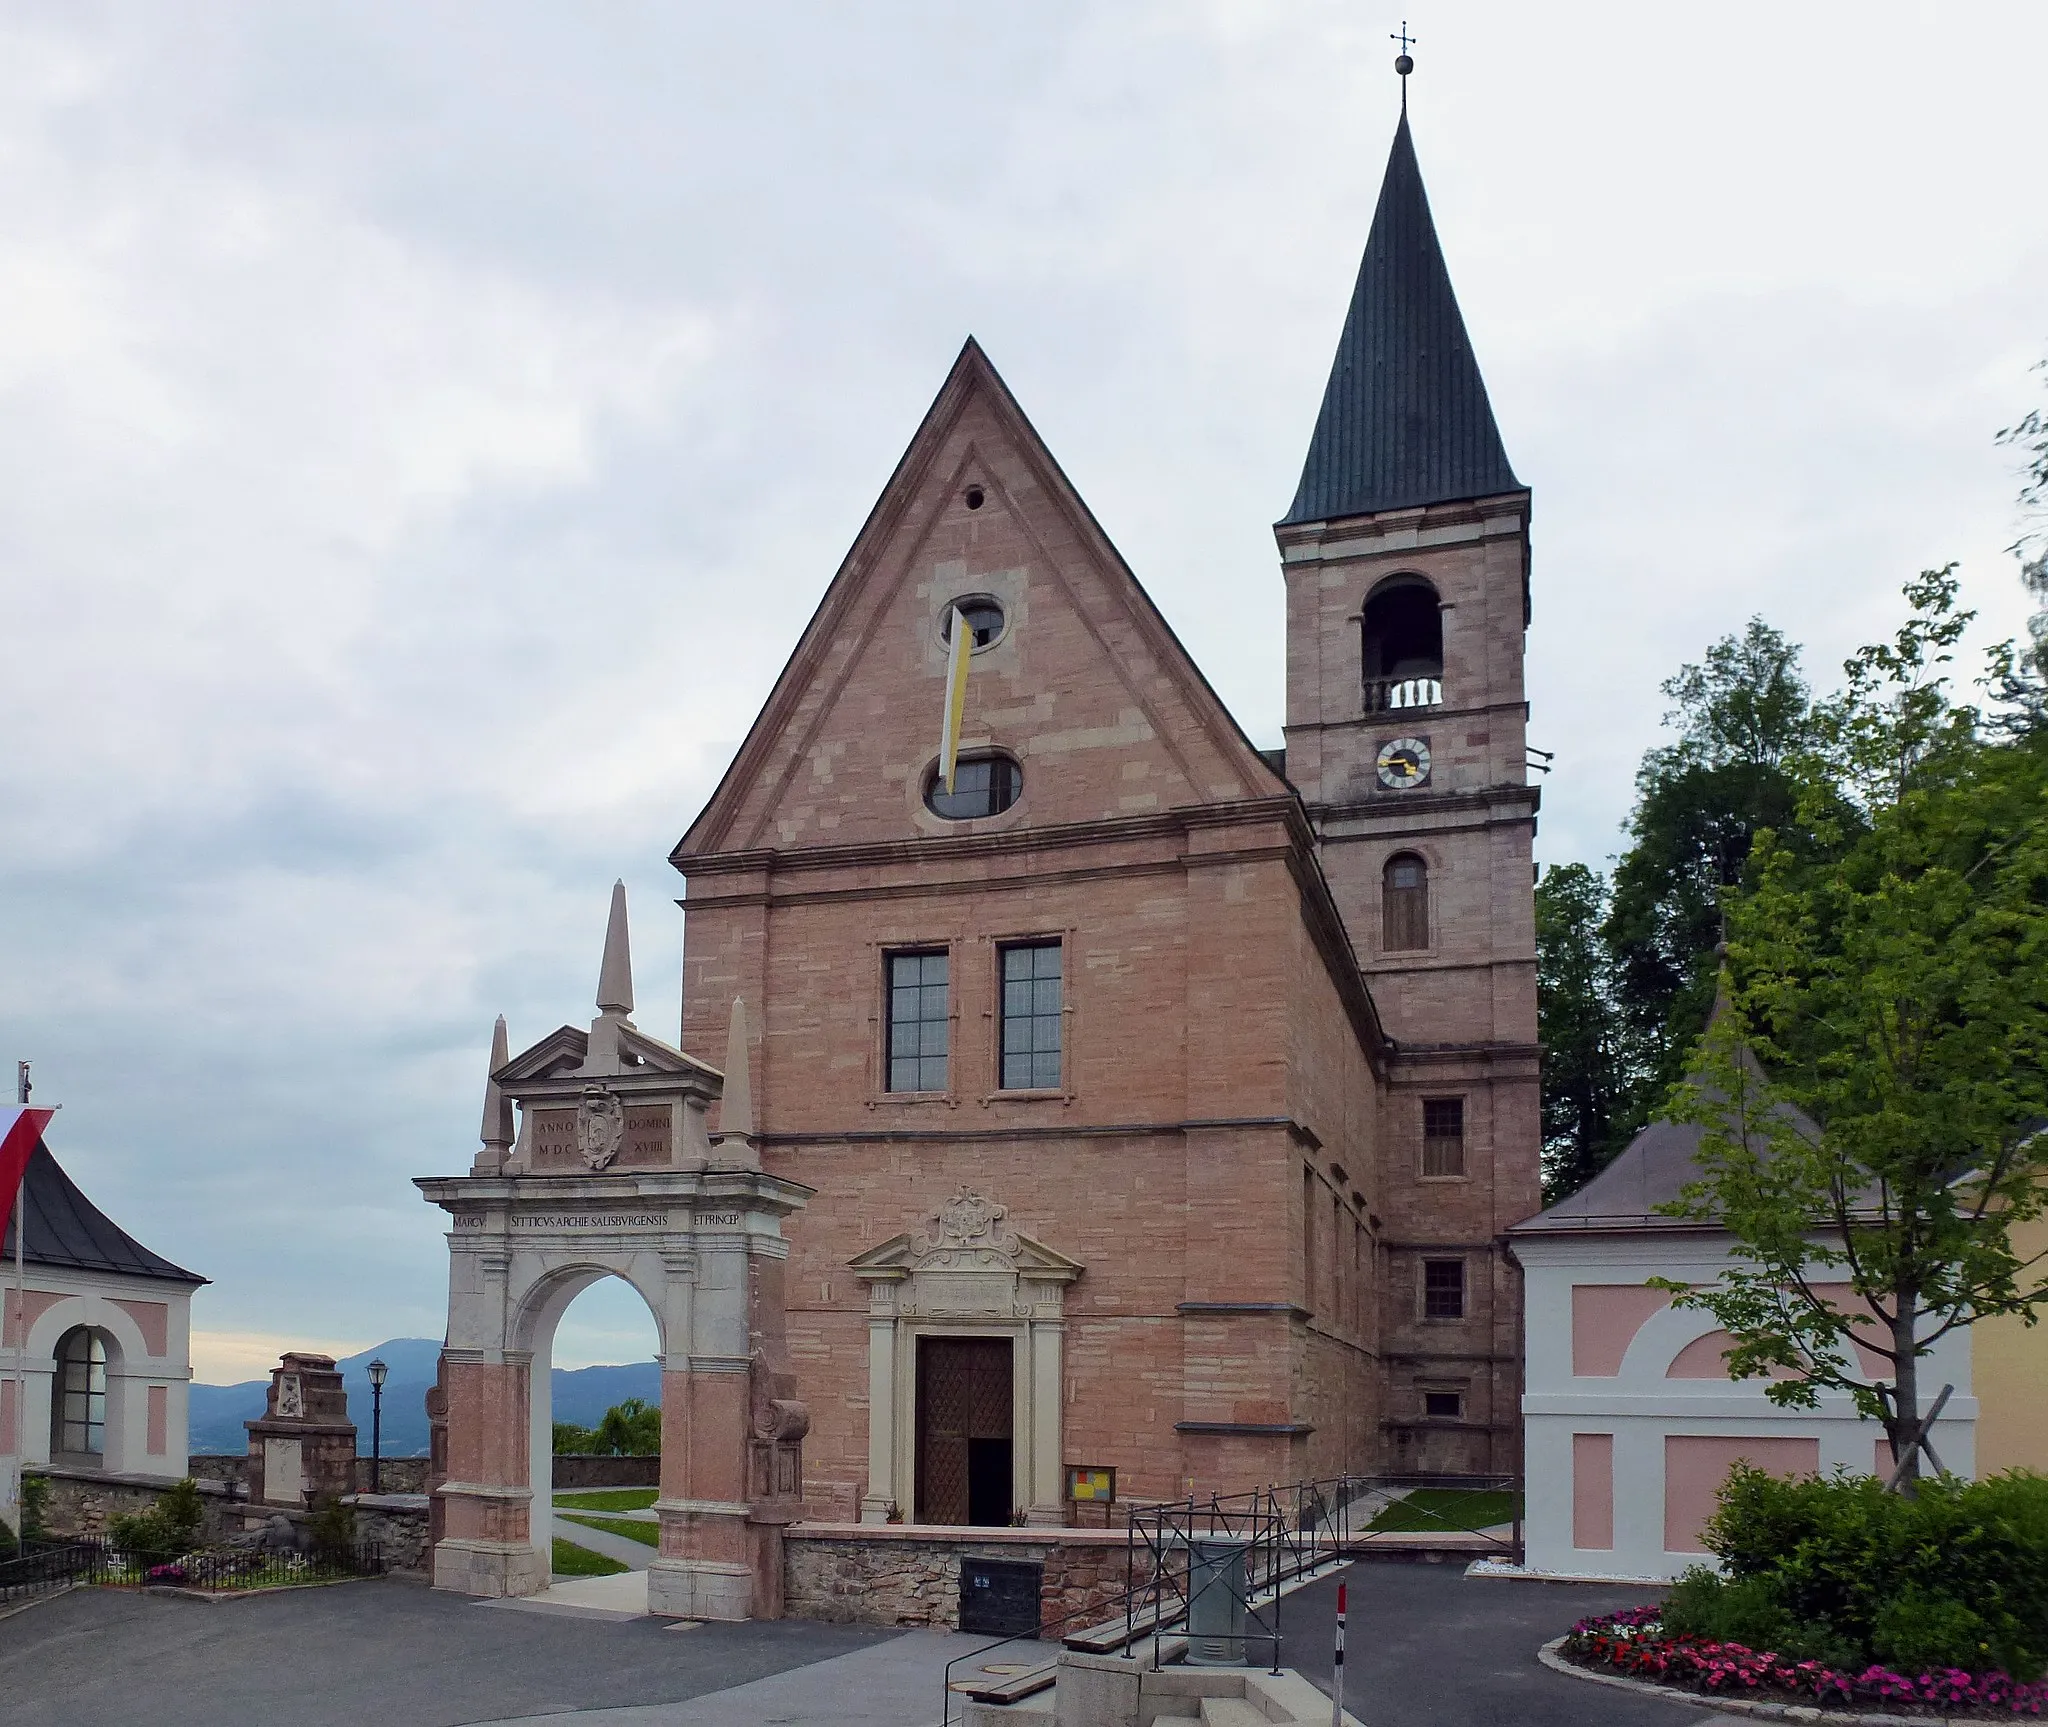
(303, 1450)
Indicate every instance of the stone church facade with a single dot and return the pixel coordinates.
(1165, 1100)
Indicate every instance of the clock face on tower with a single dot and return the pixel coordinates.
(1404, 763)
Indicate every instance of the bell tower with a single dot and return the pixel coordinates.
(1406, 561)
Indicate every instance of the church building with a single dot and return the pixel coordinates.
(1166, 1100)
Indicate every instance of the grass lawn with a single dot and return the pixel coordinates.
(1446, 1510)
(574, 1561)
(647, 1534)
(609, 1499)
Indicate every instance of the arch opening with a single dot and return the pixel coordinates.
(79, 1407)
(581, 1318)
(1402, 640)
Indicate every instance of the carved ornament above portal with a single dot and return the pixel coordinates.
(966, 1263)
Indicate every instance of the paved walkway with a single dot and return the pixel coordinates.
(634, 1555)
(900, 1683)
(1429, 1647)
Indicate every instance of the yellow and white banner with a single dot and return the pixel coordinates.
(959, 646)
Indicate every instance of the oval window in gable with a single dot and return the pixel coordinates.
(983, 785)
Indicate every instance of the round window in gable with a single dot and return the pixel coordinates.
(982, 786)
(984, 619)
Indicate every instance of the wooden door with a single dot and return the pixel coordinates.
(964, 1430)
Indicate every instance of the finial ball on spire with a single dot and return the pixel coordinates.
(1404, 64)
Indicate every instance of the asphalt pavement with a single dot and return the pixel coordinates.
(1427, 1646)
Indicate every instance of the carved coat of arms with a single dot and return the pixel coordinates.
(600, 1126)
(967, 1230)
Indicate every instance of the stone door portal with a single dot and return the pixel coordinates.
(965, 1430)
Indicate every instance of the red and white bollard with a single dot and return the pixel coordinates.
(1337, 1698)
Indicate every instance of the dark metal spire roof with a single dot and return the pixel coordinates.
(1405, 419)
(65, 1228)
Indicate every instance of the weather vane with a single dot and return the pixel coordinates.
(1404, 62)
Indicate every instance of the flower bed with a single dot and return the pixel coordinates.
(1634, 1643)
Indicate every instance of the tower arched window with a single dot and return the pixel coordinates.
(1402, 631)
(1404, 903)
(78, 1411)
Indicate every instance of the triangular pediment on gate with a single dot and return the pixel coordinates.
(564, 1051)
(1084, 684)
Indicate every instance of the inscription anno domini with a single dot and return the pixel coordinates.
(646, 1143)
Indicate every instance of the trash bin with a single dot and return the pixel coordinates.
(1216, 1600)
(999, 1597)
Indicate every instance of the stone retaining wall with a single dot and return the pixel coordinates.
(907, 1574)
(590, 1471)
(398, 1474)
(397, 1522)
(85, 1501)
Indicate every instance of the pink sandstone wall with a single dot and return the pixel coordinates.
(1593, 1490)
(1696, 1465)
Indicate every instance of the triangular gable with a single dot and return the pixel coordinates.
(909, 1252)
(564, 1051)
(1088, 686)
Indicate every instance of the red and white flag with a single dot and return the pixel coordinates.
(21, 1131)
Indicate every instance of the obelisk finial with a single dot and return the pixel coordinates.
(736, 1106)
(497, 1132)
(736, 1145)
(615, 977)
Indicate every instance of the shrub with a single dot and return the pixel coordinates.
(169, 1528)
(35, 1500)
(9, 1545)
(333, 1529)
(1841, 1572)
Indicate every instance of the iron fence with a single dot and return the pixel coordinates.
(96, 1559)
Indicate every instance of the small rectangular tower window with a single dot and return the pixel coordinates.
(919, 1021)
(1031, 1016)
(1443, 1405)
(1443, 1289)
(1443, 1136)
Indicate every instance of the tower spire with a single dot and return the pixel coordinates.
(1405, 420)
(615, 976)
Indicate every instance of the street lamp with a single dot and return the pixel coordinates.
(377, 1372)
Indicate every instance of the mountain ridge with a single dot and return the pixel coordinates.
(581, 1395)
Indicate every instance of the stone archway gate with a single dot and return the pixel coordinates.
(612, 1172)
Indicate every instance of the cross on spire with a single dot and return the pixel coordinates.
(1404, 62)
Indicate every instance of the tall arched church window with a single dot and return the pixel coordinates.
(1402, 630)
(78, 1411)
(1404, 899)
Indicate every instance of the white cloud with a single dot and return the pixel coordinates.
(423, 435)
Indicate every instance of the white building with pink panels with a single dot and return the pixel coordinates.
(95, 1360)
(1630, 1420)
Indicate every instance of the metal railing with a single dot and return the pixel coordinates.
(1382, 694)
(1288, 1533)
(96, 1559)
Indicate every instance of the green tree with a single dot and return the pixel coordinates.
(2020, 680)
(1894, 987)
(629, 1429)
(1742, 715)
(1584, 1068)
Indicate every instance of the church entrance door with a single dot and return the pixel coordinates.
(965, 1429)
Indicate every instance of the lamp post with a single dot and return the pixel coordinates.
(377, 1372)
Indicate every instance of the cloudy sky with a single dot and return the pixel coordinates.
(425, 428)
